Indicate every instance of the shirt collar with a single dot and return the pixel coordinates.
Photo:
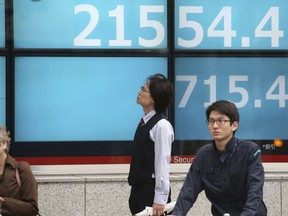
(148, 116)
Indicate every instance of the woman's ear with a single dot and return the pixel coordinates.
(4, 145)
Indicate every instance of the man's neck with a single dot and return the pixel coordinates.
(147, 109)
(221, 144)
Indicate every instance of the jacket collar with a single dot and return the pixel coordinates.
(11, 161)
(229, 149)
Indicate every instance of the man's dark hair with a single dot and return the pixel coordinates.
(226, 108)
(162, 92)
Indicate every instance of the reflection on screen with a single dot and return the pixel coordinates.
(2, 24)
(2, 92)
(80, 99)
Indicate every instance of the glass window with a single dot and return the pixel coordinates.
(80, 99)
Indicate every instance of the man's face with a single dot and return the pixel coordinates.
(144, 97)
(220, 127)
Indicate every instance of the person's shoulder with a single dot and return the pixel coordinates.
(206, 148)
(248, 146)
(17, 164)
(23, 165)
(203, 153)
(164, 123)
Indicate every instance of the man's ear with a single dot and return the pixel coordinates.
(234, 126)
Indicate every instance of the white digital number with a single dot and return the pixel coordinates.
(184, 23)
(192, 82)
(281, 96)
(212, 83)
(277, 90)
(119, 14)
(227, 32)
(274, 33)
(224, 18)
(242, 91)
(81, 39)
(146, 23)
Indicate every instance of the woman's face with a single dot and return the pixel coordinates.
(3, 146)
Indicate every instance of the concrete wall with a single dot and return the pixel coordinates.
(93, 195)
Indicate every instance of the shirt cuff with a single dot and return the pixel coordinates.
(161, 199)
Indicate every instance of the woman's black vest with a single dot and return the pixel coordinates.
(143, 153)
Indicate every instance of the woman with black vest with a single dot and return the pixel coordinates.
(151, 153)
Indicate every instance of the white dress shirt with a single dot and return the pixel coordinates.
(162, 135)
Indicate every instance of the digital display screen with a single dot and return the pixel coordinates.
(2, 92)
(80, 98)
(62, 96)
(231, 24)
(2, 23)
(93, 24)
(258, 86)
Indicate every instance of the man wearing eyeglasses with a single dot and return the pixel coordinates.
(229, 170)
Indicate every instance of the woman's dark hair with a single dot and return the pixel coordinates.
(162, 92)
(226, 108)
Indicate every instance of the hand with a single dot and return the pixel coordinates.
(1, 199)
(158, 209)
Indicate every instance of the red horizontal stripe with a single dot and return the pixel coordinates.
(274, 158)
(76, 160)
(122, 159)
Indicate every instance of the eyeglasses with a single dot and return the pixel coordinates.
(218, 121)
(142, 89)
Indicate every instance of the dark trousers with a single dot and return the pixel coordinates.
(142, 195)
